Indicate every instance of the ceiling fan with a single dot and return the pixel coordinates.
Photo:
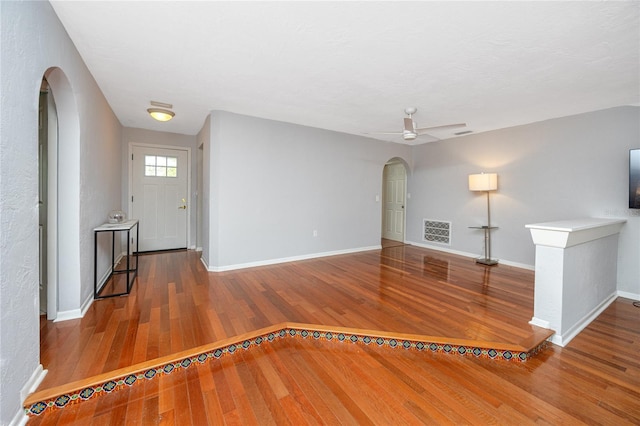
(411, 131)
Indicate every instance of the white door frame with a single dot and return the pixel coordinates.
(51, 202)
(130, 170)
(52, 209)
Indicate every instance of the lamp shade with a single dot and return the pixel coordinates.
(483, 182)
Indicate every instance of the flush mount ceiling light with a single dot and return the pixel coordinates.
(161, 114)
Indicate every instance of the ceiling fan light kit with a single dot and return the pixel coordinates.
(409, 136)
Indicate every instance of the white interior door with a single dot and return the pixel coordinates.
(160, 197)
(395, 177)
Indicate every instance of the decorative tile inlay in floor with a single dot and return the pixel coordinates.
(213, 352)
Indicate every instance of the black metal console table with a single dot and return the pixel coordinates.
(131, 269)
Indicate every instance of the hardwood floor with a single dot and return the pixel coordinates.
(176, 305)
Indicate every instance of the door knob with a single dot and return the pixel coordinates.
(183, 207)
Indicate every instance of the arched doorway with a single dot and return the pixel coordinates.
(47, 196)
(60, 186)
(394, 195)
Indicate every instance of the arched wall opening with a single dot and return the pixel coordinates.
(63, 260)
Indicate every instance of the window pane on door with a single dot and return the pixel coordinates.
(160, 166)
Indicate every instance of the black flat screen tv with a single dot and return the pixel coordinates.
(634, 179)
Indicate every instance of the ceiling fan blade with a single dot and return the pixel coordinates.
(383, 133)
(408, 125)
(445, 126)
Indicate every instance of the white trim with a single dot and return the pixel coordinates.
(34, 381)
(29, 387)
(515, 264)
(563, 340)
(568, 233)
(540, 323)
(441, 248)
(75, 313)
(52, 209)
(204, 262)
(189, 170)
(627, 295)
(287, 259)
(471, 255)
(20, 419)
(68, 315)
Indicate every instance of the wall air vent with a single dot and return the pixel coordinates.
(436, 231)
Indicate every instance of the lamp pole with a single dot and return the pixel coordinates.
(487, 247)
(485, 182)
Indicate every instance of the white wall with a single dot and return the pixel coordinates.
(272, 184)
(150, 137)
(558, 169)
(33, 41)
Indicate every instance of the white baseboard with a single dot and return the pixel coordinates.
(79, 313)
(68, 315)
(356, 250)
(287, 259)
(627, 295)
(86, 304)
(540, 323)
(32, 384)
(75, 313)
(204, 262)
(565, 338)
(471, 255)
(34, 381)
(20, 419)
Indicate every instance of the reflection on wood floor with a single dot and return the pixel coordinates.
(177, 305)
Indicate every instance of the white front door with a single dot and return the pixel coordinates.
(395, 177)
(159, 197)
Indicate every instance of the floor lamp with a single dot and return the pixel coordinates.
(486, 182)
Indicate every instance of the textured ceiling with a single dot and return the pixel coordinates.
(354, 66)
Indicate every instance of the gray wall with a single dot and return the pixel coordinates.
(141, 136)
(204, 139)
(564, 168)
(272, 184)
(34, 42)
